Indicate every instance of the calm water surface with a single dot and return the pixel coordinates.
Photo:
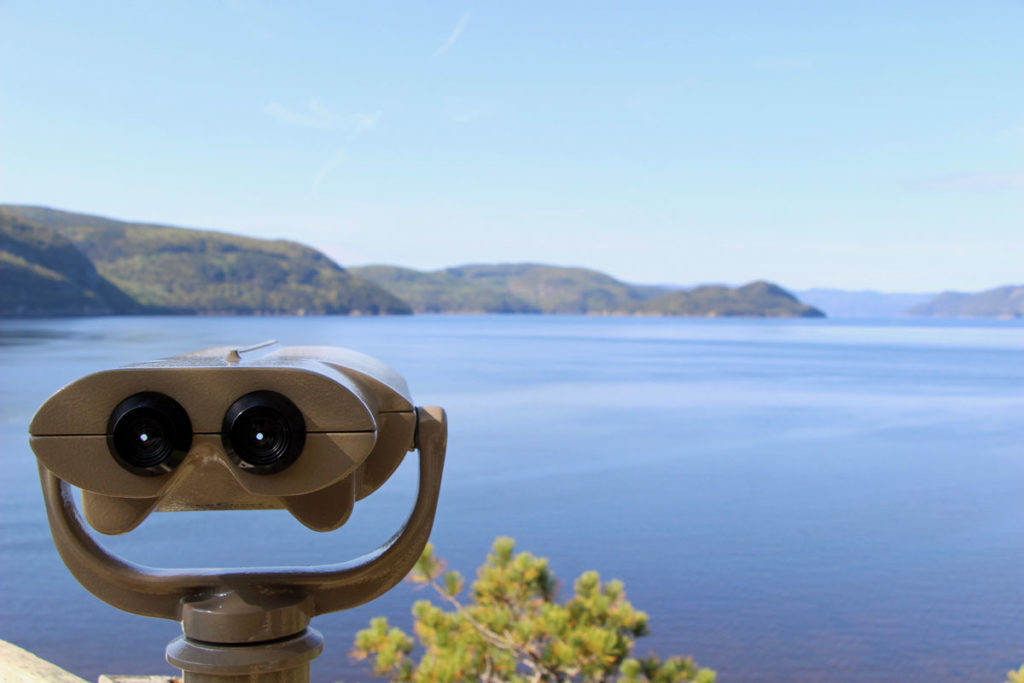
(788, 500)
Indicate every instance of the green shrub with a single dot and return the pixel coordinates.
(513, 629)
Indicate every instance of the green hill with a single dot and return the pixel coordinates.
(443, 291)
(505, 288)
(757, 299)
(60, 263)
(533, 288)
(43, 273)
(1001, 302)
(178, 270)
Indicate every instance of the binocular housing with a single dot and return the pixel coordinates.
(307, 429)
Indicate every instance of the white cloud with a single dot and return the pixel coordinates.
(356, 124)
(360, 122)
(316, 116)
(460, 110)
(979, 181)
(327, 168)
(454, 35)
(470, 115)
(783, 63)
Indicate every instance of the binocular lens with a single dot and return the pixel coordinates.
(263, 432)
(149, 433)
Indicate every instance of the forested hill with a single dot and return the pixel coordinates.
(535, 288)
(514, 288)
(757, 299)
(1001, 302)
(155, 268)
(43, 273)
(60, 263)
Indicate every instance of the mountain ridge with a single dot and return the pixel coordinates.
(43, 273)
(539, 288)
(117, 267)
(167, 269)
(1000, 302)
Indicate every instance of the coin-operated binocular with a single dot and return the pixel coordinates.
(308, 429)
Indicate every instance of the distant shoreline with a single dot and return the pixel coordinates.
(60, 263)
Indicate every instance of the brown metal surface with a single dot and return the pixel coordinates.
(241, 624)
(160, 593)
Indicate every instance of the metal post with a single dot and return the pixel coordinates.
(277, 661)
(248, 636)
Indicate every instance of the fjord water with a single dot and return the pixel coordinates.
(788, 500)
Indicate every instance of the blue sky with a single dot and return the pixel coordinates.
(857, 145)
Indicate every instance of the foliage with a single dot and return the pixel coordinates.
(176, 270)
(534, 288)
(444, 291)
(508, 288)
(757, 299)
(1015, 676)
(42, 273)
(116, 266)
(513, 629)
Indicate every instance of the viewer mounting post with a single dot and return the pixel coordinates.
(307, 429)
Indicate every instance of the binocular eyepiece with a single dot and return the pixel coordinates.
(263, 432)
(149, 433)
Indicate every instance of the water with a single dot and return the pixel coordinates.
(788, 500)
